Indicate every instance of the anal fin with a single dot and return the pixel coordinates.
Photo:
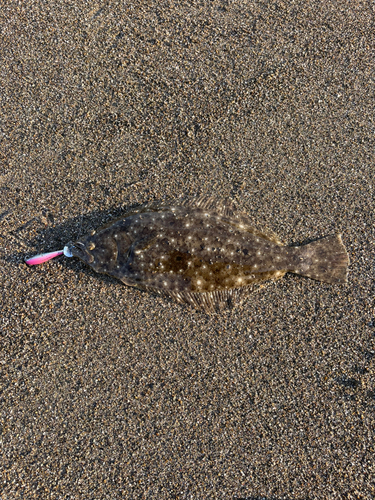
(208, 302)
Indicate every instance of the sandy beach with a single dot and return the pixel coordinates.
(108, 392)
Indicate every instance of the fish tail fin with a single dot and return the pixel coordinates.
(325, 260)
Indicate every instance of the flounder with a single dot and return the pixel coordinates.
(202, 253)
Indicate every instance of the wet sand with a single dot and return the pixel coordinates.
(109, 392)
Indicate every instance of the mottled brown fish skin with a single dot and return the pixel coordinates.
(181, 250)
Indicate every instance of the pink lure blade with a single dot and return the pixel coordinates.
(43, 257)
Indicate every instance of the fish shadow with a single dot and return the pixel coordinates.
(56, 237)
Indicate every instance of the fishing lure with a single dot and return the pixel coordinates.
(200, 252)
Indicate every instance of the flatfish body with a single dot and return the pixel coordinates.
(203, 253)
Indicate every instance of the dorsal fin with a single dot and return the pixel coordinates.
(221, 206)
(225, 207)
(243, 221)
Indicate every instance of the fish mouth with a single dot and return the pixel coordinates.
(79, 250)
